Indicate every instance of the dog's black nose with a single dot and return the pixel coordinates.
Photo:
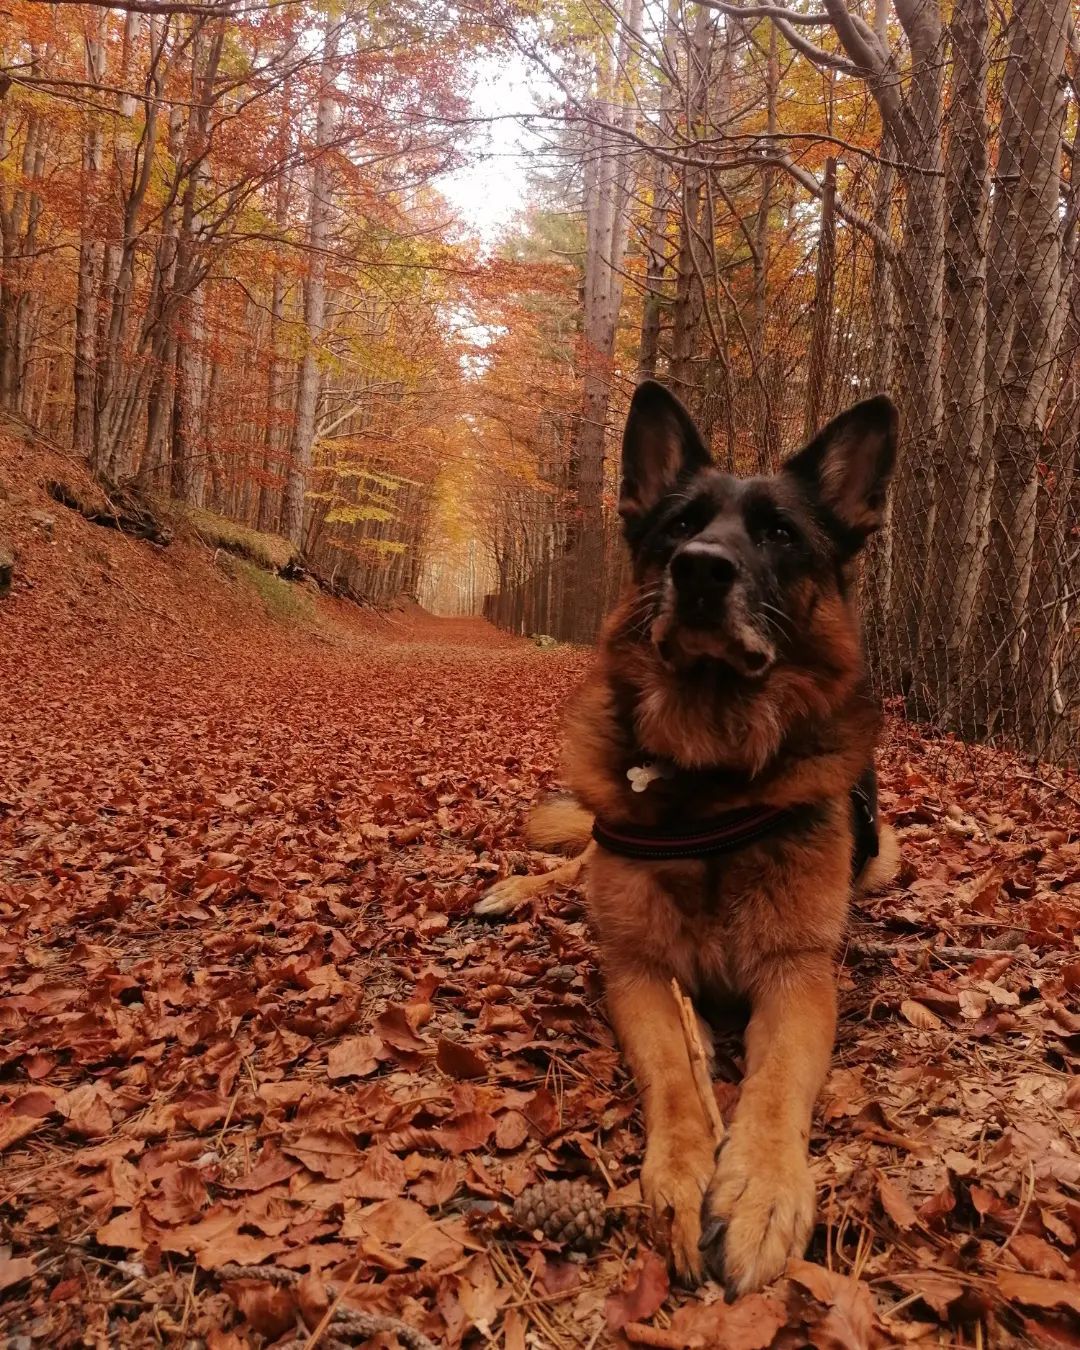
(703, 571)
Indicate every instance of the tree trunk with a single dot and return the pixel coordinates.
(84, 370)
(1037, 53)
(606, 234)
(963, 474)
(320, 212)
(818, 365)
(657, 245)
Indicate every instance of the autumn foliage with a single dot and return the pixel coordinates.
(257, 1054)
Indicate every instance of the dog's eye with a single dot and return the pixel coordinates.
(682, 527)
(777, 532)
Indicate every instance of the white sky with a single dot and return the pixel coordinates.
(490, 190)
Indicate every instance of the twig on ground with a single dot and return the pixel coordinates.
(860, 948)
(1025, 1204)
(638, 1333)
(699, 1062)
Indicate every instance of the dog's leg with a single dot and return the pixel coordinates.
(506, 895)
(759, 1209)
(678, 1143)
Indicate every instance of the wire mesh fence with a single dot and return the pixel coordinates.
(943, 267)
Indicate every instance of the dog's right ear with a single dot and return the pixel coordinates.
(660, 446)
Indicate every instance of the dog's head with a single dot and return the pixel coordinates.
(731, 571)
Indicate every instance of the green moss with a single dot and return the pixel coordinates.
(266, 550)
(284, 601)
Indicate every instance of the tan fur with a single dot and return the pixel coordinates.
(762, 924)
(558, 825)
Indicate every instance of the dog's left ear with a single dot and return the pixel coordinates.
(848, 465)
(660, 446)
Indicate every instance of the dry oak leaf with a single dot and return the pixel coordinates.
(15, 1127)
(542, 1113)
(1038, 1292)
(465, 1132)
(396, 1231)
(398, 1026)
(381, 1177)
(511, 1131)
(895, 1203)
(125, 1230)
(353, 1058)
(460, 1061)
(850, 1321)
(751, 1323)
(329, 1152)
(643, 1294)
(1036, 1255)
(271, 1168)
(269, 1308)
(938, 1292)
(919, 1015)
(13, 1269)
(87, 1111)
(312, 1299)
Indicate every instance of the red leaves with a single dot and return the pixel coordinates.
(1037, 1292)
(269, 1308)
(246, 1019)
(466, 1132)
(460, 1061)
(642, 1294)
(397, 1026)
(356, 1057)
(14, 1269)
(896, 1204)
(327, 1151)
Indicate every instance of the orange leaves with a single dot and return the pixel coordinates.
(344, 1075)
(460, 1061)
(356, 1057)
(328, 1152)
(642, 1294)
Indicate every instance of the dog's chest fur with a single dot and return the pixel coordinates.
(716, 923)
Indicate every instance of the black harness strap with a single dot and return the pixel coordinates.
(734, 830)
(725, 833)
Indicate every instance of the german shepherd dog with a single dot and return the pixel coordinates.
(721, 757)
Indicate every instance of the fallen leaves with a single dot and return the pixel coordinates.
(356, 1057)
(247, 1019)
(643, 1292)
(14, 1269)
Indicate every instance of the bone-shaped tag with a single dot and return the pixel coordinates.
(641, 775)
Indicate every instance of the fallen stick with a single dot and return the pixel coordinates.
(699, 1062)
(858, 947)
(638, 1333)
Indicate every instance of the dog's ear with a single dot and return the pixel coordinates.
(660, 446)
(848, 464)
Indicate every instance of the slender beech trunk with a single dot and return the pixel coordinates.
(608, 185)
(320, 212)
(963, 477)
(1037, 50)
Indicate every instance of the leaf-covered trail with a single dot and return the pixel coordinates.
(249, 1022)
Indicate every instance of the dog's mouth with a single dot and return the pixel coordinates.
(685, 635)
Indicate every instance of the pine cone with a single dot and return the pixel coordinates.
(570, 1212)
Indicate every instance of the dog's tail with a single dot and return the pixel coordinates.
(559, 825)
(882, 869)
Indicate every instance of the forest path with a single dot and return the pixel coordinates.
(248, 1019)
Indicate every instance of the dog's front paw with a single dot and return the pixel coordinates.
(504, 897)
(673, 1181)
(758, 1209)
